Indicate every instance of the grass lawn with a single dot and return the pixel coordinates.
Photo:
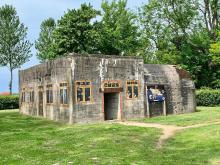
(196, 146)
(26, 140)
(202, 115)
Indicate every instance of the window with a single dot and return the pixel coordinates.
(27, 97)
(23, 96)
(132, 89)
(63, 93)
(49, 94)
(31, 96)
(83, 91)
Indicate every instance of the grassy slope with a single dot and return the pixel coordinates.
(197, 146)
(26, 140)
(203, 114)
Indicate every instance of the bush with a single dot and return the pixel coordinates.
(9, 102)
(208, 97)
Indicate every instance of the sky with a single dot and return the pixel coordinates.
(32, 13)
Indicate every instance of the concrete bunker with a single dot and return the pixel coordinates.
(93, 88)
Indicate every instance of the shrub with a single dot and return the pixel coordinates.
(9, 102)
(208, 97)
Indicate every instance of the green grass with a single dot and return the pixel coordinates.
(8, 110)
(193, 146)
(26, 140)
(202, 115)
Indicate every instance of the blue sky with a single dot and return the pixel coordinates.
(32, 13)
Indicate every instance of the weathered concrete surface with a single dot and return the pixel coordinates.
(51, 72)
(180, 90)
(97, 69)
(77, 68)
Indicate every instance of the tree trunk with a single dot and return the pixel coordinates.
(10, 82)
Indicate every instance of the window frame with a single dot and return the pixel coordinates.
(132, 85)
(23, 96)
(49, 87)
(27, 96)
(63, 87)
(83, 88)
(31, 96)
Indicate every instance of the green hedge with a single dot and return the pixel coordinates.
(208, 97)
(9, 102)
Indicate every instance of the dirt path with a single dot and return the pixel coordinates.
(168, 130)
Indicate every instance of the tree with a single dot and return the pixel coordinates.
(75, 31)
(215, 56)
(45, 43)
(14, 47)
(209, 10)
(118, 31)
(215, 51)
(180, 32)
(166, 24)
(195, 58)
(78, 31)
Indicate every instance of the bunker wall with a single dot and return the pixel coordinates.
(97, 70)
(37, 79)
(179, 88)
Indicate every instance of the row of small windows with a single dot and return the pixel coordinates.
(83, 91)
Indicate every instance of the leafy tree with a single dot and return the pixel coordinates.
(215, 57)
(195, 58)
(209, 11)
(118, 31)
(166, 24)
(180, 32)
(75, 31)
(215, 51)
(45, 43)
(14, 47)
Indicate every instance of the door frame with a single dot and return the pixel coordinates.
(120, 106)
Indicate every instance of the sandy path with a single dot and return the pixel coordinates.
(168, 130)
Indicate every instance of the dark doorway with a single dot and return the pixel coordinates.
(40, 103)
(111, 105)
(156, 95)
